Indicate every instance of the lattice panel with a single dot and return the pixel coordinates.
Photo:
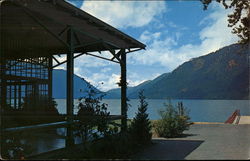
(25, 78)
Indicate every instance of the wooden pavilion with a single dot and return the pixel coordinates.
(33, 32)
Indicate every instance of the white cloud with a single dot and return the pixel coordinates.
(135, 79)
(104, 81)
(147, 36)
(60, 67)
(106, 70)
(160, 51)
(132, 83)
(124, 14)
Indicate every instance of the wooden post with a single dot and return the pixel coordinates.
(50, 68)
(70, 72)
(35, 94)
(3, 87)
(3, 83)
(19, 95)
(3, 97)
(123, 91)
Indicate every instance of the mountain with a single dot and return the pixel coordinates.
(132, 92)
(223, 74)
(59, 85)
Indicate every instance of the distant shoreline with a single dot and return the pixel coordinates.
(195, 122)
(208, 123)
(171, 99)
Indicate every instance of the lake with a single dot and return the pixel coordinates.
(199, 110)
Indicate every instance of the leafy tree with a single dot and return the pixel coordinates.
(173, 121)
(239, 19)
(140, 128)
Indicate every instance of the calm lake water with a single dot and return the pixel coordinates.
(199, 110)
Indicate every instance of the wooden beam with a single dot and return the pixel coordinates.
(86, 53)
(88, 44)
(112, 51)
(117, 54)
(40, 81)
(77, 39)
(56, 60)
(60, 33)
(38, 126)
(66, 60)
(29, 62)
(14, 77)
(101, 57)
(130, 51)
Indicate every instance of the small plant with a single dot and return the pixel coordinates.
(102, 141)
(173, 121)
(112, 147)
(14, 147)
(93, 117)
(140, 128)
(39, 104)
(33, 110)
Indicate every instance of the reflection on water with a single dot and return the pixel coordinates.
(45, 140)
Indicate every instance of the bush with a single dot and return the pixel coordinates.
(93, 117)
(116, 146)
(33, 110)
(112, 145)
(140, 128)
(173, 121)
(39, 105)
(14, 146)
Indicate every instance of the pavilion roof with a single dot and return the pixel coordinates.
(34, 28)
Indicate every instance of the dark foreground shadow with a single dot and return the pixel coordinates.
(168, 149)
(159, 150)
(186, 135)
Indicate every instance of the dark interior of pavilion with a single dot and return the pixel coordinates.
(29, 43)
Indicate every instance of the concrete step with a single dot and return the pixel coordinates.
(244, 120)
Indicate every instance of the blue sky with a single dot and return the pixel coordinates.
(174, 32)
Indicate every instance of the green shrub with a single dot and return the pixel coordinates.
(140, 128)
(112, 145)
(39, 105)
(173, 121)
(33, 110)
(14, 146)
(92, 116)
